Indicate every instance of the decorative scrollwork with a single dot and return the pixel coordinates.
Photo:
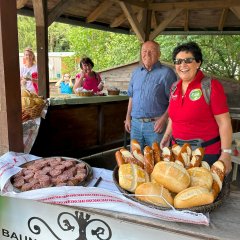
(102, 231)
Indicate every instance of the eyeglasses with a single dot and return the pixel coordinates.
(181, 60)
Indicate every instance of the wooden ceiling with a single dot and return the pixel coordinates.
(155, 16)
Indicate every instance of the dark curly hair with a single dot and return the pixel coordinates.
(86, 60)
(191, 47)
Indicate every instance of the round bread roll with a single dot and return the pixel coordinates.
(154, 193)
(200, 176)
(131, 176)
(193, 197)
(171, 175)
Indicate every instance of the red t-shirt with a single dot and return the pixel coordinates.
(91, 83)
(192, 117)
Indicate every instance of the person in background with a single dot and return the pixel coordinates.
(190, 116)
(29, 71)
(65, 84)
(148, 93)
(87, 78)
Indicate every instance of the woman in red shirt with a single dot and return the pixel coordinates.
(87, 78)
(190, 116)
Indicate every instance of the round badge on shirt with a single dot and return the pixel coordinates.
(195, 94)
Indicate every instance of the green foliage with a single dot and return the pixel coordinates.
(221, 53)
(26, 33)
(57, 38)
(70, 65)
(104, 48)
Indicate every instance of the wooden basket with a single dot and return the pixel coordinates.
(35, 111)
(85, 94)
(113, 92)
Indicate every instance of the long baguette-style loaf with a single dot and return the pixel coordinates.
(119, 158)
(171, 175)
(218, 172)
(148, 159)
(156, 152)
(192, 197)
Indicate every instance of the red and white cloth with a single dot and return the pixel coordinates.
(106, 196)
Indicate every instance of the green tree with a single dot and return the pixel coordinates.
(106, 49)
(26, 33)
(58, 37)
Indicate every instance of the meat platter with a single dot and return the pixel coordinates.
(52, 172)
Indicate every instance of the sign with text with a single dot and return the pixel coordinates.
(31, 220)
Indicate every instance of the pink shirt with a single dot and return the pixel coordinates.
(91, 83)
(192, 117)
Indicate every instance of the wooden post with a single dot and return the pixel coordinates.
(11, 134)
(40, 12)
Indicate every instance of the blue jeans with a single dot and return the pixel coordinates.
(143, 133)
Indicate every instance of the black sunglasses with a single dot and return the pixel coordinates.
(185, 60)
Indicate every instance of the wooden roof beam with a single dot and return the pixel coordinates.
(236, 11)
(154, 20)
(21, 3)
(99, 10)
(223, 19)
(194, 5)
(57, 11)
(137, 28)
(164, 23)
(122, 18)
(136, 3)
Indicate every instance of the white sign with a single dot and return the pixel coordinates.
(31, 220)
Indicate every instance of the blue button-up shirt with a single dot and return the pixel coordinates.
(150, 90)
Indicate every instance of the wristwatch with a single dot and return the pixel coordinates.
(227, 151)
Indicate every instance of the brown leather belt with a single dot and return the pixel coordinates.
(146, 120)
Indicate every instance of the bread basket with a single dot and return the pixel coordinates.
(34, 111)
(201, 209)
(113, 92)
(85, 94)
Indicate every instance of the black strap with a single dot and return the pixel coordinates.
(211, 141)
(196, 142)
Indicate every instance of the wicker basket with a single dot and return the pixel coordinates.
(35, 111)
(201, 209)
(113, 92)
(85, 94)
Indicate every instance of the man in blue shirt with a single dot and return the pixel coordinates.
(148, 93)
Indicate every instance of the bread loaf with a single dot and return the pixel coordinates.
(167, 154)
(192, 197)
(138, 155)
(148, 159)
(200, 177)
(171, 175)
(185, 155)
(176, 149)
(218, 172)
(156, 152)
(131, 176)
(129, 158)
(135, 145)
(205, 165)
(154, 193)
(119, 158)
(197, 156)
